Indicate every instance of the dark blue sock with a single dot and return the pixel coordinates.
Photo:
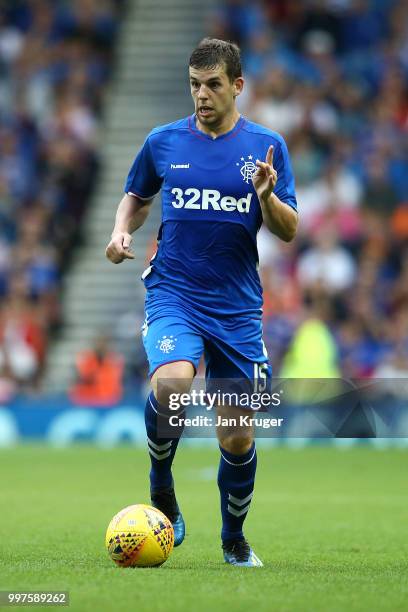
(161, 450)
(236, 478)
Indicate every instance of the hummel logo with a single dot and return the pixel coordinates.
(174, 166)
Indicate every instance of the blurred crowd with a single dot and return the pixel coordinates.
(332, 77)
(55, 61)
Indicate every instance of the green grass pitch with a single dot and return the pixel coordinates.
(331, 526)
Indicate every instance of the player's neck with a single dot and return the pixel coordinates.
(226, 125)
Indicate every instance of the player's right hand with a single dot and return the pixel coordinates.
(119, 248)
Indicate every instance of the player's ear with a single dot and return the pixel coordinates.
(238, 86)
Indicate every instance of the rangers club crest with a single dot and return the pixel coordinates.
(247, 169)
(166, 344)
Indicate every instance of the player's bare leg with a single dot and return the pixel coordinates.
(170, 378)
(236, 477)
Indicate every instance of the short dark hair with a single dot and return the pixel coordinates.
(213, 52)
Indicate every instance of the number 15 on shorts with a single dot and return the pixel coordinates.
(261, 376)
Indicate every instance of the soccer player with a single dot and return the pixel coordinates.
(221, 177)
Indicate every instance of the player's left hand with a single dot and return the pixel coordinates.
(265, 177)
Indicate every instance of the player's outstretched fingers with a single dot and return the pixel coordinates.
(269, 156)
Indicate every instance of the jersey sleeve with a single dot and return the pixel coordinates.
(285, 185)
(143, 179)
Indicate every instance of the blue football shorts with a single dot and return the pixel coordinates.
(233, 347)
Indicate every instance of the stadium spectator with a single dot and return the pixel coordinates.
(326, 264)
(22, 336)
(99, 372)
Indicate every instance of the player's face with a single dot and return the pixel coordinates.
(213, 94)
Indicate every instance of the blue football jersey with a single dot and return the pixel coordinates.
(207, 253)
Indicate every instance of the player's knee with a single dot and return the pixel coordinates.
(237, 444)
(169, 390)
(172, 380)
